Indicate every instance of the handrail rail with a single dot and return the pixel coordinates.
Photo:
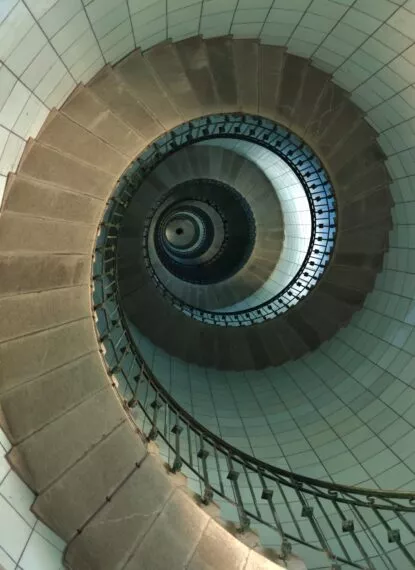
(353, 526)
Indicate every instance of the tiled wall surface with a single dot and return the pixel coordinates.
(25, 542)
(48, 46)
(348, 410)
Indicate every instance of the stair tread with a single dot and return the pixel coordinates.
(166, 64)
(61, 133)
(82, 428)
(84, 488)
(109, 87)
(90, 112)
(136, 72)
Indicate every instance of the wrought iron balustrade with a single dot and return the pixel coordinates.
(352, 527)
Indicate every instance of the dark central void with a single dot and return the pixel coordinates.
(203, 231)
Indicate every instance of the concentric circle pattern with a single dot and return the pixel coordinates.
(312, 179)
(216, 232)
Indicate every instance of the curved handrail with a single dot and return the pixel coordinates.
(215, 463)
(349, 525)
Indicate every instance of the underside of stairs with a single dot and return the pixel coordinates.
(97, 485)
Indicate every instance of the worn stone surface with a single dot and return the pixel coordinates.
(29, 196)
(136, 72)
(21, 233)
(107, 542)
(65, 135)
(193, 55)
(220, 55)
(166, 64)
(271, 63)
(246, 61)
(43, 458)
(32, 355)
(87, 110)
(110, 88)
(172, 539)
(218, 550)
(32, 312)
(41, 271)
(49, 165)
(84, 488)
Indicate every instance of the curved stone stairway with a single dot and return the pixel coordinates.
(197, 162)
(73, 442)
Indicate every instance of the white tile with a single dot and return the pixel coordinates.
(26, 50)
(6, 6)
(404, 22)
(4, 464)
(70, 33)
(14, 530)
(4, 442)
(31, 118)
(39, 554)
(51, 79)
(14, 28)
(19, 496)
(39, 67)
(58, 15)
(60, 92)
(5, 561)
(7, 82)
(40, 7)
(50, 536)
(11, 154)
(14, 105)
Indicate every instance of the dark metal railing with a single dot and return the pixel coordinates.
(347, 527)
(304, 164)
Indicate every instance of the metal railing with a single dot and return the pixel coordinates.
(304, 164)
(348, 527)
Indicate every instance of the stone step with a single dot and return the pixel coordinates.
(329, 107)
(165, 62)
(292, 82)
(61, 133)
(246, 69)
(42, 459)
(313, 87)
(33, 312)
(271, 64)
(84, 489)
(48, 165)
(117, 96)
(35, 198)
(110, 538)
(26, 408)
(57, 346)
(193, 56)
(137, 74)
(32, 272)
(87, 110)
(221, 62)
(22, 233)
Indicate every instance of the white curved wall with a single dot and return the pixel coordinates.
(25, 542)
(348, 410)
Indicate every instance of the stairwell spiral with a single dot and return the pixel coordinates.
(64, 189)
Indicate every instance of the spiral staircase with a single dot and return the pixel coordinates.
(95, 435)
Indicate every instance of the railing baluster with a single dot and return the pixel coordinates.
(156, 405)
(233, 478)
(203, 454)
(177, 430)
